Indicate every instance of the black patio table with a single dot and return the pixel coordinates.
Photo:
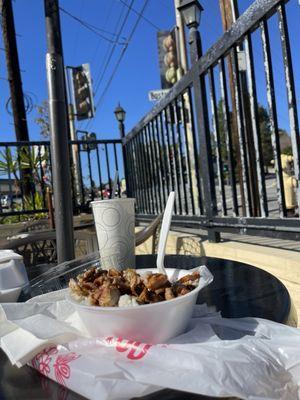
(238, 290)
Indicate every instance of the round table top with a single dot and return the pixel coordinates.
(238, 290)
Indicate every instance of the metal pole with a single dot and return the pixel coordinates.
(75, 155)
(183, 63)
(15, 85)
(227, 20)
(58, 120)
(13, 71)
(183, 67)
(205, 155)
(230, 13)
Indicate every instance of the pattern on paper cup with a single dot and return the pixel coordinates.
(115, 221)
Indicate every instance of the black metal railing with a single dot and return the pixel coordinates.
(26, 174)
(212, 137)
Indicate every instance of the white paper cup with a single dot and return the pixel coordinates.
(115, 222)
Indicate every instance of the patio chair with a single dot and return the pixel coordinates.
(39, 247)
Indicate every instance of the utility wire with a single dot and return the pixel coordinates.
(113, 49)
(122, 54)
(100, 78)
(94, 28)
(140, 15)
(107, 19)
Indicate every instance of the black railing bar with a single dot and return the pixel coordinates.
(90, 173)
(255, 127)
(42, 176)
(171, 161)
(99, 171)
(216, 134)
(137, 176)
(273, 117)
(117, 169)
(73, 185)
(174, 158)
(180, 153)
(264, 233)
(129, 183)
(102, 141)
(167, 167)
(275, 224)
(165, 157)
(47, 142)
(31, 156)
(161, 164)
(241, 131)
(159, 187)
(144, 173)
(108, 168)
(245, 23)
(179, 87)
(206, 161)
(153, 166)
(188, 138)
(196, 151)
(21, 180)
(291, 94)
(50, 163)
(253, 221)
(143, 176)
(148, 170)
(24, 212)
(81, 177)
(256, 227)
(26, 143)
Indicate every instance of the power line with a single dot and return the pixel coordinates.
(100, 78)
(113, 49)
(76, 39)
(122, 54)
(94, 28)
(107, 19)
(140, 15)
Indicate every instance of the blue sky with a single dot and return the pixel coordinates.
(138, 72)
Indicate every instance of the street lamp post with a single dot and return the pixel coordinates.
(191, 11)
(120, 114)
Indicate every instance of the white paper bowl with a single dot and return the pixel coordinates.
(152, 323)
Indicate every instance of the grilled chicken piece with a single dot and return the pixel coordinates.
(190, 279)
(156, 281)
(169, 295)
(105, 297)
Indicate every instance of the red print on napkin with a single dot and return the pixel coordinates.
(61, 367)
(42, 360)
(135, 350)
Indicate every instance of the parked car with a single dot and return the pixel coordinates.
(5, 201)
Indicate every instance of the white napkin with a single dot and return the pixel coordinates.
(247, 358)
(27, 328)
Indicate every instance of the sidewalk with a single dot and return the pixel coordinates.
(279, 257)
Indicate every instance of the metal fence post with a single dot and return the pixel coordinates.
(201, 114)
(125, 164)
